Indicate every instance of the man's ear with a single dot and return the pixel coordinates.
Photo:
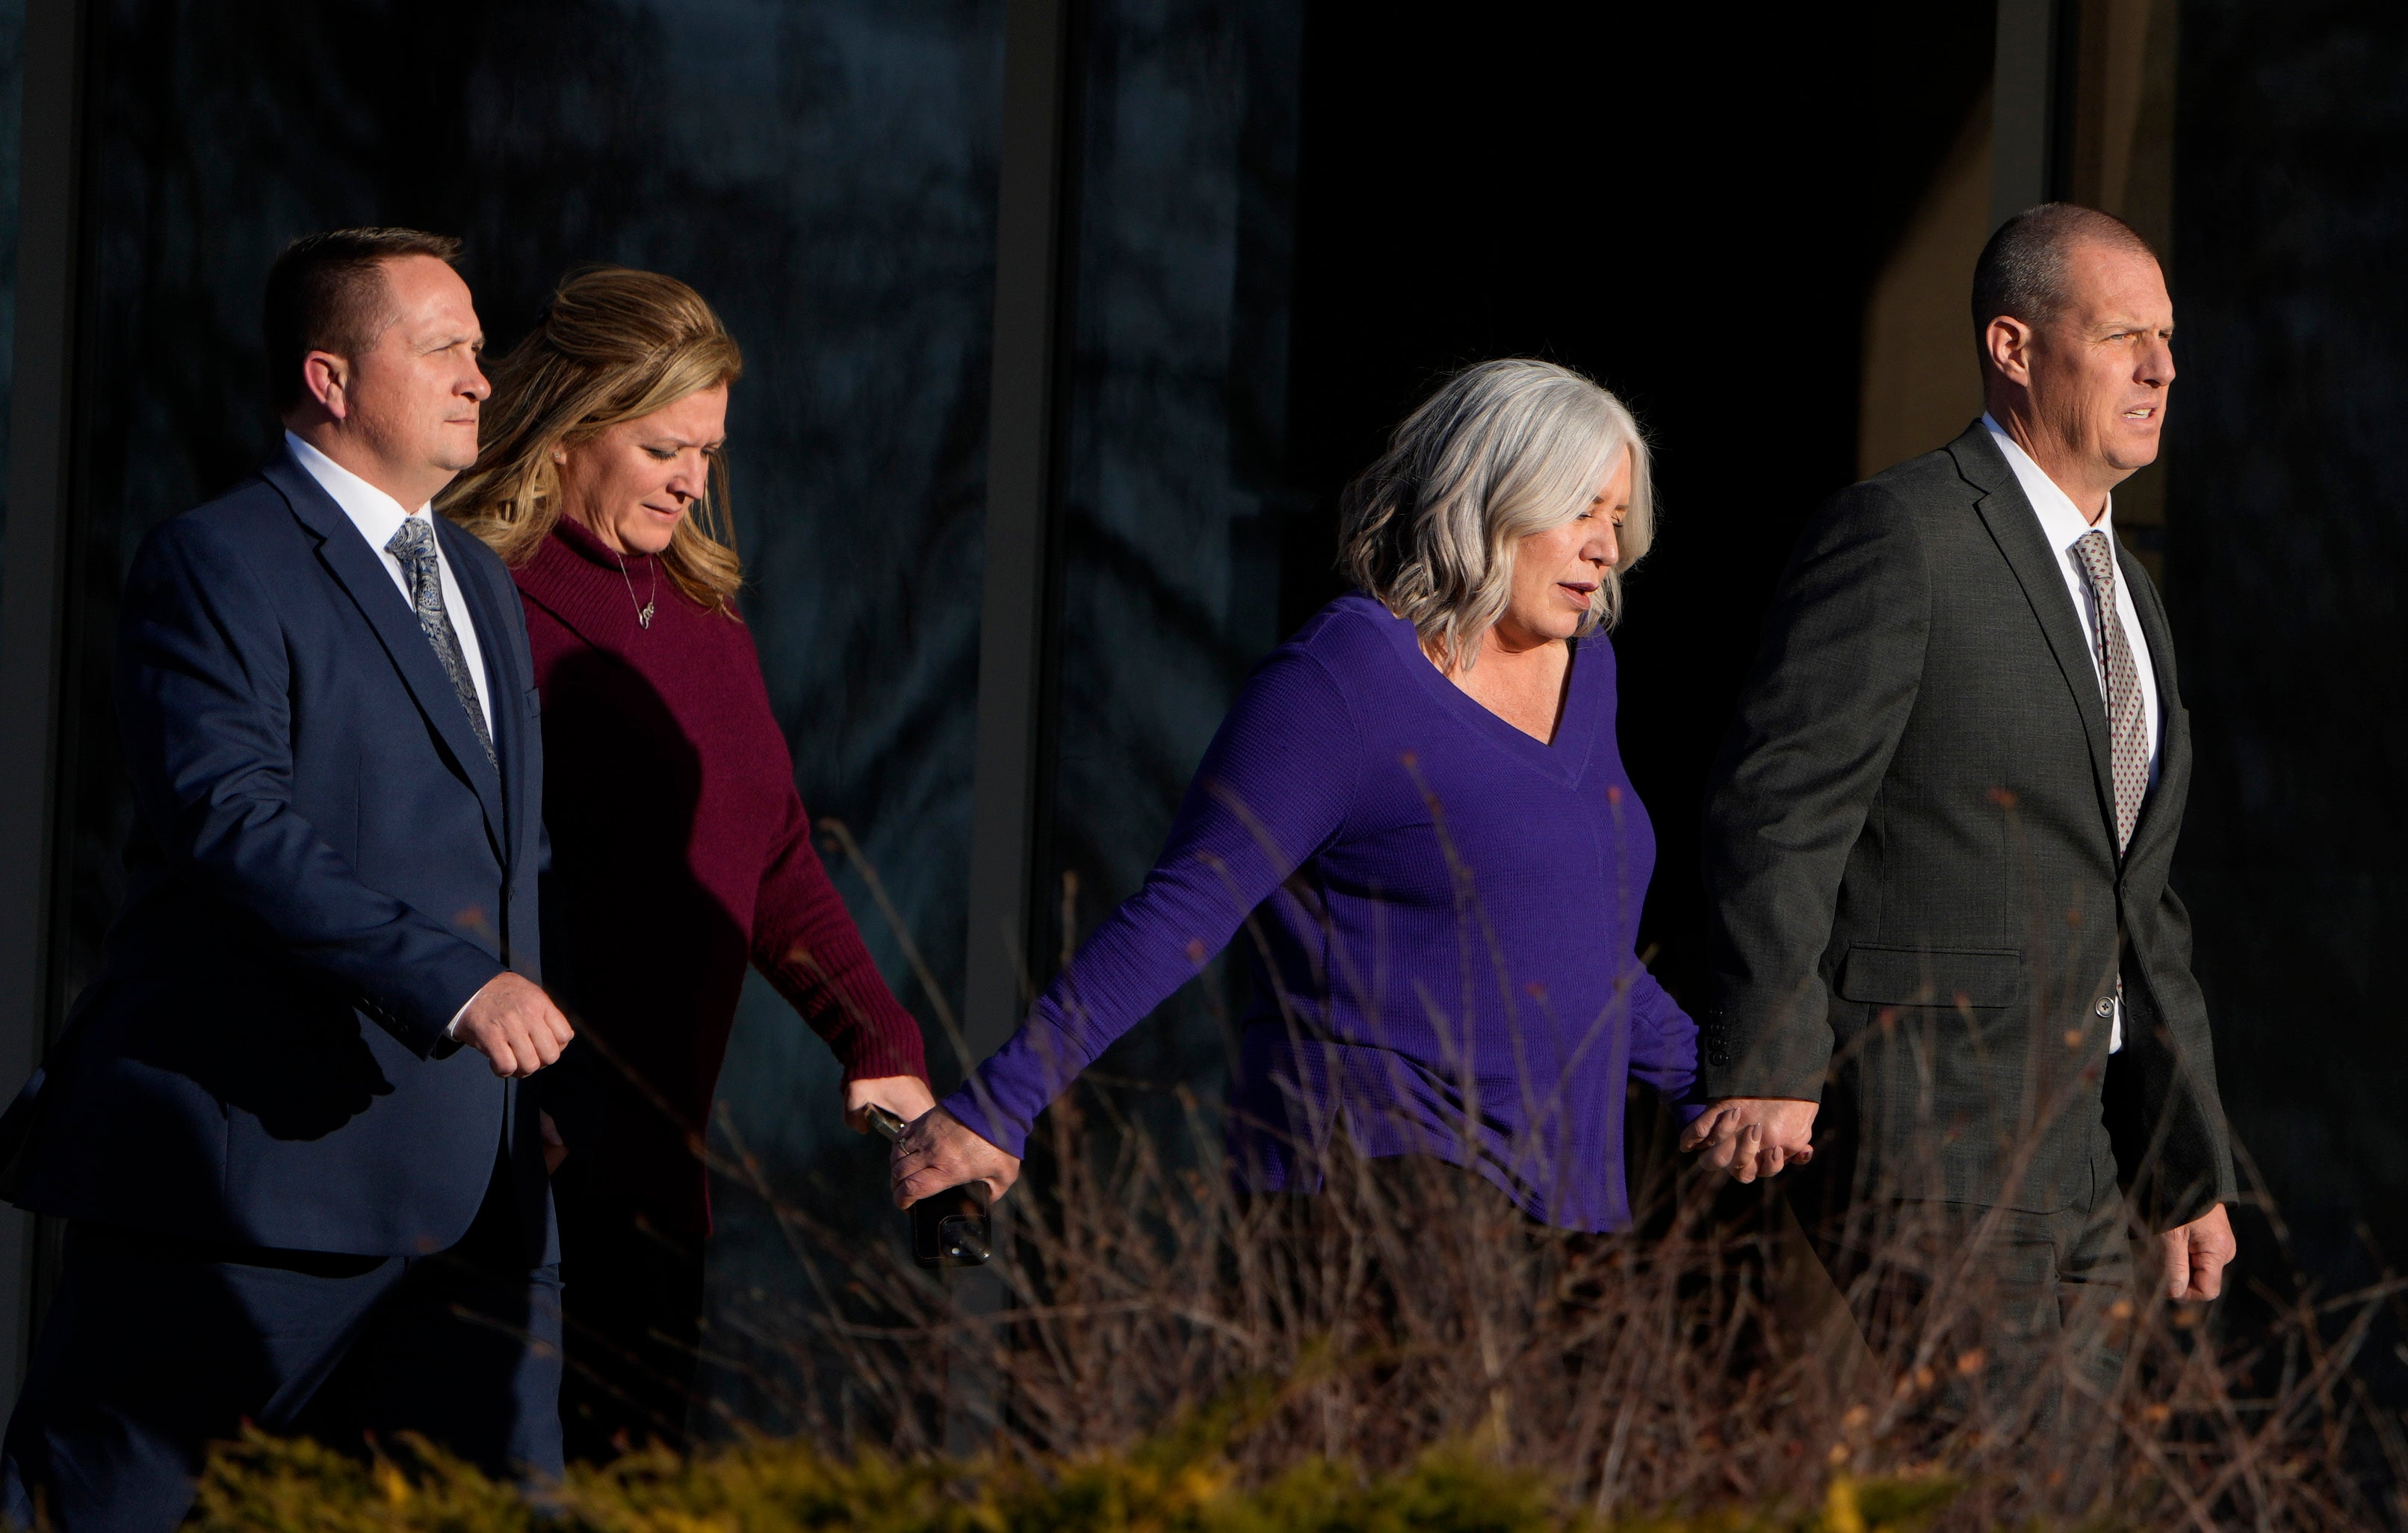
(328, 377)
(2008, 342)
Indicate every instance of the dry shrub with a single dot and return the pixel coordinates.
(1153, 1349)
(1702, 1360)
(1699, 1364)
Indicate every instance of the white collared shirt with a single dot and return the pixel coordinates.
(2064, 525)
(379, 516)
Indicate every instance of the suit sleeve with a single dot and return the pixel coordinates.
(1274, 788)
(1833, 686)
(2184, 1149)
(2188, 1160)
(205, 711)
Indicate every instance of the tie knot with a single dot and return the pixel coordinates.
(2096, 562)
(413, 542)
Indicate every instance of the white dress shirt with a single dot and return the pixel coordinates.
(2063, 524)
(379, 516)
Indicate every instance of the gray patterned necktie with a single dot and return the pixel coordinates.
(2127, 727)
(413, 547)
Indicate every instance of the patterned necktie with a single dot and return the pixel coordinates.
(2127, 727)
(413, 548)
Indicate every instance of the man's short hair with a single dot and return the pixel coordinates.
(327, 292)
(2022, 270)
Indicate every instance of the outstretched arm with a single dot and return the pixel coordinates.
(1274, 786)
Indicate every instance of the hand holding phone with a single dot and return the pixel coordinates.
(952, 1228)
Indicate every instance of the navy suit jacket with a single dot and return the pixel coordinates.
(323, 869)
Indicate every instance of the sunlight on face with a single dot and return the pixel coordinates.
(1557, 573)
(414, 391)
(2101, 370)
(632, 485)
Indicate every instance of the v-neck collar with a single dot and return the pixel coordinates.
(1563, 759)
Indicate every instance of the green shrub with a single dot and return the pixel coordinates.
(265, 1484)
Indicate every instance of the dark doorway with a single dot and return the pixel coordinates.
(1688, 209)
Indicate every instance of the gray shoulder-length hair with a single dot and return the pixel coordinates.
(1503, 450)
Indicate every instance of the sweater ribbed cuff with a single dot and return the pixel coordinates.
(888, 1043)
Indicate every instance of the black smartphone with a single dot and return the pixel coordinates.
(949, 1229)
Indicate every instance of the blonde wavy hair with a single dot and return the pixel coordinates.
(1502, 449)
(615, 345)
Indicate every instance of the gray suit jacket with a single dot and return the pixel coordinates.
(1911, 861)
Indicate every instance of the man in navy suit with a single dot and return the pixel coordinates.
(284, 1126)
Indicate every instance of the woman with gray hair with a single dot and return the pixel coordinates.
(1418, 810)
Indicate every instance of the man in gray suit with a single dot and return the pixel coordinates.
(1938, 836)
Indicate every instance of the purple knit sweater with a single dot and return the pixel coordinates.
(1441, 910)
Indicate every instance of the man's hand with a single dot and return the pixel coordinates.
(514, 1023)
(2196, 1255)
(907, 1096)
(1753, 1136)
(938, 1152)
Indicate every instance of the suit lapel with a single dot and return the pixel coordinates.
(2015, 528)
(362, 573)
(503, 684)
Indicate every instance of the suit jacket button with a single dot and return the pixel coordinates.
(2106, 1006)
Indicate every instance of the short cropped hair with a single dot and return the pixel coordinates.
(2022, 271)
(1502, 449)
(327, 292)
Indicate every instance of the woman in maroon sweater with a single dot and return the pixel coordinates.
(680, 851)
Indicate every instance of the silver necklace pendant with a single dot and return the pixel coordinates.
(644, 612)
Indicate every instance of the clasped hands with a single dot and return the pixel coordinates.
(1758, 1135)
(939, 1150)
(936, 1151)
(1751, 1136)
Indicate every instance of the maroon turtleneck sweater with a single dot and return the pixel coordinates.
(681, 852)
